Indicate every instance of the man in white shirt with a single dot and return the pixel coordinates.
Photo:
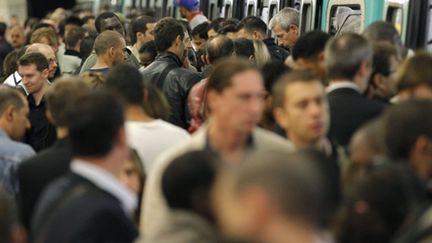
(189, 9)
(90, 204)
(148, 135)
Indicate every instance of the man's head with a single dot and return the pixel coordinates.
(17, 36)
(415, 78)
(382, 82)
(147, 53)
(109, 21)
(49, 54)
(46, 36)
(273, 190)
(348, 57)
(308, 52)
(200, 36)
(34, 70)
(385, 31)
(111, 47)
(301, 108)
(96, 128)
(235, 95)
(187, 7)
(60, 95)
(188, 180)
(170, 35)
(252, 27)
(285, 26)
(73, 38)
(131, 91)
(408, 135)
(218, 48)
(14, 112)
(214, 27)
(142, 30)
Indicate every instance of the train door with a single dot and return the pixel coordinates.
(428, 27)
(310, 15)
(396, 12)
(167, 8)
(215, 8)
(251, 7)
(269, 9)
(344, 16)
(227, 9)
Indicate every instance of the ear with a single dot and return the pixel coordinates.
(139, 35)
(49, 116)
(294, 28)
(379, 81)
(252, 59)
(256, 35)
(281, 117)
(111, 51)
(9, 113)
(178, 41)
(421, 156)
(212, 99)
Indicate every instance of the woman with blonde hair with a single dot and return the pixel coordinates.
(262, 55)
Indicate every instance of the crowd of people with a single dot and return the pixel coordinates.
(139, 129)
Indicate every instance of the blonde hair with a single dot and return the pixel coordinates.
(262, 55)
(95, 80)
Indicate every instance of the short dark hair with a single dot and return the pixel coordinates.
(253, 23)
(149, 47)
(101, 17)
(74, 35)
(292, 181)
(72, 20)
(201, 31)
(216, 24)
(344, 55)
(94, 123)
(403, 124)
(3, 28)
(187, 177)
(10, 96)
(218, 48)
(127, 82)
(271, 72)
(287, 79)
(139, 24)
(221, 76)
(35, 58)
(310, 45)
(382, 53)
(227, 27)
(244, 47)
(166, 32)
(62, 94)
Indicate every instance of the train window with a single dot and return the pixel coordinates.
(306, 18)
(395, 16)
(429, 34)
(228, 11)
(250, 10)
(345, 19)
(211, 13)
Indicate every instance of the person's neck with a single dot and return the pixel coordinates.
(62, 132)
(191, 14)
(102, 62)
(300, 144)
(288, 232)
(138, 45)
(106, 163)
(38, 96)
(229, 143)
(136, 113)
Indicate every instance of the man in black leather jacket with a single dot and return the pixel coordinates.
(167, 71)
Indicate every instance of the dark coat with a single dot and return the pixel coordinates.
(36, 173)
(74, 210)
(167, 73)
(349, 110)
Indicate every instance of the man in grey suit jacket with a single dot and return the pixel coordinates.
(235, 101)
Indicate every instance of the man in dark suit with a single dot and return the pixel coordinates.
(36, 173)
(90, 204)
(348, 60)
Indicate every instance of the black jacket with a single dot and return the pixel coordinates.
(74, 210)
(167, 73)
(36, 173)
(349, 110)
(276, 52)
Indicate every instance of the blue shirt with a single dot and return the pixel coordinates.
(11, 154)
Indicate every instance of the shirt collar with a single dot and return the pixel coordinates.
(341, 84)
(3, 133)
(107, 182)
